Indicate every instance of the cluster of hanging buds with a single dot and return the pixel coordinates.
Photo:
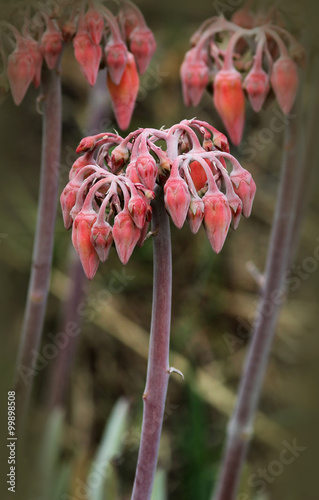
(108, 198)
(123, 44)
(249, 54)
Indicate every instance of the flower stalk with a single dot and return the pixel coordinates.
(158, 370)
(272, 297)
(43, 243)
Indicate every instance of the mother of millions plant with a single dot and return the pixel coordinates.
(121, 185)
(253, 54)
(124, 45)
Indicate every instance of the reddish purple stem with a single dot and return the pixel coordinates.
(43, 243)
(272, 297)
(158, 362)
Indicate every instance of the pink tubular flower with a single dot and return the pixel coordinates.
(217, 218)
(81, 239)
(142, 46)
(284, 81)
(195, 77)
(88, 55)
(177, 199)
(195, 214)
(95, 24)
(102, 239)
(229, 101)
(147, 171)
(20, 72)
(51, 45)
(124, 94)
(116, 59)
(245, 187)
(257, 87)
(126, 235)
(137, 208)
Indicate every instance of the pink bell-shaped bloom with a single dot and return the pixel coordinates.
(137, 208)
(147, 171)
(20, 72)
(36, 54)
(142, 46)
(81, 239)
(229, 101)
(83, 161)
(195, 214)
(144, 233)
(245, 187)
(257, 87)
(131, 173)
(217, 218)
(67, 201)
(125, 234)
(88, 55)
(236, 207)
(51, 45)
(284, 81)
(102, 239)
(124, 94)
(116, 59)
(195, 77)
(177, 199)
(95, 24)
(119, 157)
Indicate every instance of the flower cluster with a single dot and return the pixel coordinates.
(108, 198)
(249, 53)
(124, 44)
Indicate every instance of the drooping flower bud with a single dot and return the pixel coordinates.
(20, 72)
(83, 161)
(102, 239)
(67, 200)
(88, 55)
(177, 199)
(245, 187)
(229, 101)
(195, 77)
(243, 17)
(81, 239)
(119, 157)
(142, 46)
(124, 95)
(284, 81)
(95, 24)
(137, 208)
(125, 234)
(217, 218)
(36, 54)
(131, 173)
(116, 59)
(195, 214)
(257, 87)
(51, 45)
(147, 171)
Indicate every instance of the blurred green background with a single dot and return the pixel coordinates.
(214, 297)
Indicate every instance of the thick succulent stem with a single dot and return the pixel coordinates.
(242, 421)
(43, 243)
(158, 362)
